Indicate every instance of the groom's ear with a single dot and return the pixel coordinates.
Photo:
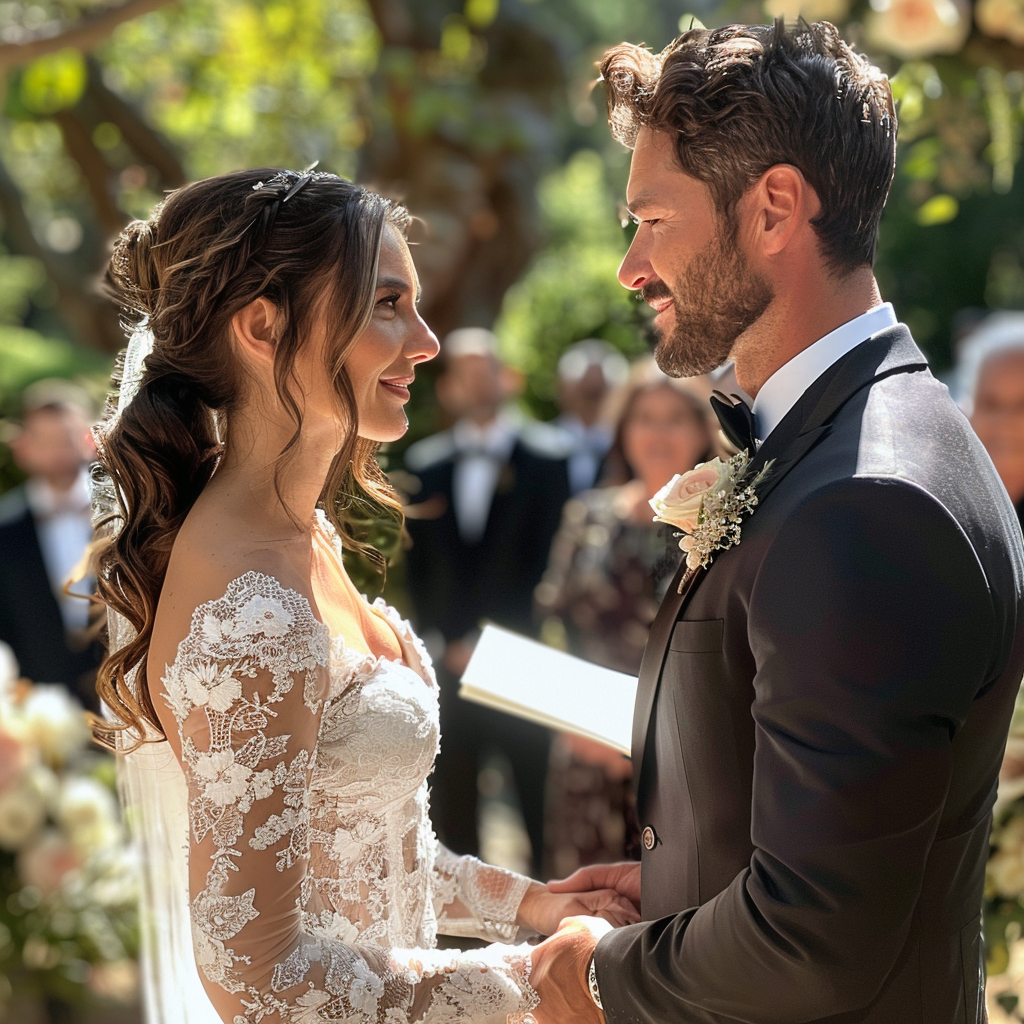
(781, 204)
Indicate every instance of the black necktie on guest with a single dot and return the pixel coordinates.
(737, 421)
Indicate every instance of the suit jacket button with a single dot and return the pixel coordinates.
(649, 838)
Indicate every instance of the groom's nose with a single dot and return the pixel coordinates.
(635, 269)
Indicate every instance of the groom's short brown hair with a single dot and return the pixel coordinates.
(740, 99)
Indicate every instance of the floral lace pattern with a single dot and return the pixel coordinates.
(319, 885)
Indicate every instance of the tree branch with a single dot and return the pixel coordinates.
(149, 145)
(96, 172)
(90, 317)
(83, 34)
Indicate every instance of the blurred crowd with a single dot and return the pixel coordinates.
(543, 528)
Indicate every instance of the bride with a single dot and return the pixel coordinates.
(278, 729)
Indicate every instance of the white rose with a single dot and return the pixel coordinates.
(47, 862)
(679, 502)
(55, 723)
(87, 810)
(918, 28)
(1001, 18)
(117, 980)
(22, 814)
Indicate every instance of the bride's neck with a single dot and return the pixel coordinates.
(253, 479)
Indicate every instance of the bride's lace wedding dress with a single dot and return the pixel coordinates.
(318, 885)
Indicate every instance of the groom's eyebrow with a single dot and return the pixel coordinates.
(639, 204)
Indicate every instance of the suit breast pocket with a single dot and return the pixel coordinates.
(698, 637)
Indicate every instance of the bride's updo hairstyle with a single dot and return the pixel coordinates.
(310, 244)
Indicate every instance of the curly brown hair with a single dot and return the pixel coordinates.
(309, 243)
(741, 99)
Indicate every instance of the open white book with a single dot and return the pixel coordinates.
(524, 678)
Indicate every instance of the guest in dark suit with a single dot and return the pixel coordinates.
(992, 376)
(588, 371)
(822, 709)
(490, 494)
(45, 525)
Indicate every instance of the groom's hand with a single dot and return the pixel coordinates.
(623, 877)
(559, 973)
(543, 911)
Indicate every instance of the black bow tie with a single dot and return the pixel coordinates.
(737, 421)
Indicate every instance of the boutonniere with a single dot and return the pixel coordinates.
(708, 504)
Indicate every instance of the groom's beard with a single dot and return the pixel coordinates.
(720, 298)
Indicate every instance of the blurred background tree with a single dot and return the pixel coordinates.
(479, 115)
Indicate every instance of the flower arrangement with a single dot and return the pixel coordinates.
(68, 883)
(708, 504)
(1004, 884)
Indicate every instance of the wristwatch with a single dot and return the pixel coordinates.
(595, 992)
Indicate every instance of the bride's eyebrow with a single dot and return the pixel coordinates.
(398, 284)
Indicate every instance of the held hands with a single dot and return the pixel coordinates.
(558, 973)
(623, 878)
(559, 964)
(543, 910)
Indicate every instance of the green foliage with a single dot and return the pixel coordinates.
(571, 291)
(53, 83)
(238, 84)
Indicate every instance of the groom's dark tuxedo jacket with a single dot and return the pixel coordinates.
(820, 722)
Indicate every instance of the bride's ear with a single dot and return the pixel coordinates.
(255, 328)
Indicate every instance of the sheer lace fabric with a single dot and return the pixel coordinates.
(318, 885)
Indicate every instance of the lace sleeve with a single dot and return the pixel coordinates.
(247, 689)
(473, 898)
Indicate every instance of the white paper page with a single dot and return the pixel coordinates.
(524, 678)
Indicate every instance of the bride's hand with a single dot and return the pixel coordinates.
(543, 910)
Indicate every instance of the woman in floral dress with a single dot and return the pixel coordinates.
(610, 564)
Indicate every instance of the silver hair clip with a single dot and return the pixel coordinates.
(304, 180)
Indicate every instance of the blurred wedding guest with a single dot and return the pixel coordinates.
(992, 381)
(587, 372)
(491, 490)
(610, 565)
(45, 525)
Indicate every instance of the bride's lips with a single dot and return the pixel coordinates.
(398, 385)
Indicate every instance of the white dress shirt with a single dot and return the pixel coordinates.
(64, 528)
(783, 388)
(587, 448)
(481, 454)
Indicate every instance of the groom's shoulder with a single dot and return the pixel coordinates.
(903, 454)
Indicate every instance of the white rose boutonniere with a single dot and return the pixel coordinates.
(708, 504)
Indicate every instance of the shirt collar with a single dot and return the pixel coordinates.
(783, 388)
(496, 437)
(46, 502)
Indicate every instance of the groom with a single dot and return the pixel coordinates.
(822, 709)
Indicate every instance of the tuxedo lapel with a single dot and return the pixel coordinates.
(654, 657)
(804, 426)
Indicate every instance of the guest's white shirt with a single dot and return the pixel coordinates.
(64, 528)
(587, 448)
(482, 452)
(783, 388)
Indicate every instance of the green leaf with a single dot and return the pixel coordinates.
(53, 83)
(939, 209)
